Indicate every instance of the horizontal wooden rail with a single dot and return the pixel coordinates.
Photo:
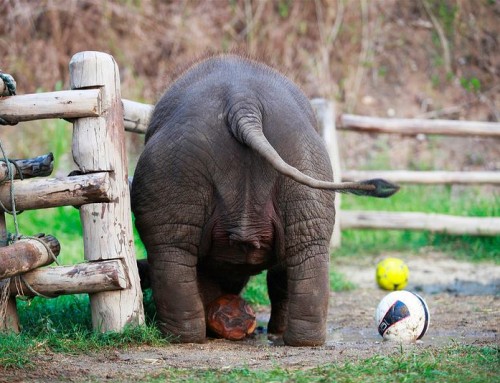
(40, 166)
(438, 223)
(27, 254)
(62, 104)
(87, 103)
(52, 192)
(424, 177)
(136, 116)
(413, 126)
(82, 278)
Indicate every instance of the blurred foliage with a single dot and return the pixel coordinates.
(329, 47)
(316, 42)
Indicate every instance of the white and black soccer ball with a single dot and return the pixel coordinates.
(402, 316)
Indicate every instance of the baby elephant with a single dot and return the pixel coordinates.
(235, 179)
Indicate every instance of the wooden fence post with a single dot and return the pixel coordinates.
(99, 145)
(9, 320)
(325, 114)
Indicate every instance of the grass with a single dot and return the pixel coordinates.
(255, 292)
(456, 363)
(471, 363)
(460, 201)
(47, 329)
(46, 325)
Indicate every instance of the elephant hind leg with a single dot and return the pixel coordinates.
(278, 295)
(180, 310)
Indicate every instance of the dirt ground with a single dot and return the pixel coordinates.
(463, 300)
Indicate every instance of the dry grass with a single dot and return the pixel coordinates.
(317, 42)
(371, 56)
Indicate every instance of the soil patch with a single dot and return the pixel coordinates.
(463, 299)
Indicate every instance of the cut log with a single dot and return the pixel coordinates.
(439, 223)
(414, 126)
(136, 116)
(83, 278)
(9, 321)
(425, 177)
(65, 104)
(53, 192)
(99, 145)
(40, 166)
(27, 254)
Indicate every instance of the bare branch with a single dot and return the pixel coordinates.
(441, 35)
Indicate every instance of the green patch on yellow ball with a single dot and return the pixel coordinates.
(392, 274)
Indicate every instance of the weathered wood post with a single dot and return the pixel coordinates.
(325, 114)
(9, 320)
(99, 146)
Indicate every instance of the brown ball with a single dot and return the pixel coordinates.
(230, 317)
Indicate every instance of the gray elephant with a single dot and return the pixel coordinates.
(235, 179)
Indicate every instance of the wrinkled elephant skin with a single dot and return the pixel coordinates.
(232, 182)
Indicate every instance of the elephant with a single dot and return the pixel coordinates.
(234, 179)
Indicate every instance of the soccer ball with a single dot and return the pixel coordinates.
(402, 316)
(392, 274)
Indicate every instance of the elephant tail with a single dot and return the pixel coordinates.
(246, 126)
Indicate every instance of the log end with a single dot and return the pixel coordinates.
(51, 241)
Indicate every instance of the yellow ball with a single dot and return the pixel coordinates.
(392, 274)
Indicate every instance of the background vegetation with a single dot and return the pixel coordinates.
(426, 58)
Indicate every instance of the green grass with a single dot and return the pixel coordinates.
(339, 282)
(63, 324)
(464, 201)
(47, 327)
(452, 364)
(63, 223)
(255, 292)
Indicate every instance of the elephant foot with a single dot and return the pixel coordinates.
(276, 339)
(301, 340)
(195, 334)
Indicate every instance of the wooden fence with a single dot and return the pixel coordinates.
(137, 116)
(441, 223)
(101, 191)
